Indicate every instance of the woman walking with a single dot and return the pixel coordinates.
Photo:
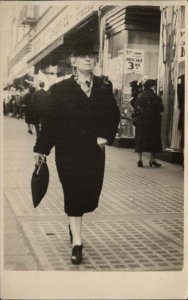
(83, 117)
(27, 101)
(148, 125)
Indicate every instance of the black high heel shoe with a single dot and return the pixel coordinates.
(140, 164)
(70, 234)
(76, 257)
(153, 163)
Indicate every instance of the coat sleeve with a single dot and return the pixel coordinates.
(34, 102)
(161, 106)
(111, 116)
(47, 136)
(25, 99)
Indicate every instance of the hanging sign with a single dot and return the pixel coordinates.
(181, 50)
(134, 61)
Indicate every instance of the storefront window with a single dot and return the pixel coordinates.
(114, 69)
(140, 60)
(131, 55)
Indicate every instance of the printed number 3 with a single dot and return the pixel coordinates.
(130, 65)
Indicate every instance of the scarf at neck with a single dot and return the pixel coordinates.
(86, 86)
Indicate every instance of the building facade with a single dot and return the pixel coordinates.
(133, 42)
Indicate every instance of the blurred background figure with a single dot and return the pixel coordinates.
(18, 105)
(39, 102)
(11, 105)
(27, 101)
(136, 91)
(148, 107)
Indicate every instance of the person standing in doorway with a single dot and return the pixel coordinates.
(82, 119)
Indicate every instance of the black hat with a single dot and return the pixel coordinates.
(31, 89)
(39, 182)
(149, 83)
(134, 84)
(82, 48)
(41, 84)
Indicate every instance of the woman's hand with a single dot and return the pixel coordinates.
(39, 157)
(102, 142)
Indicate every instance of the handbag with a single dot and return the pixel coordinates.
(136, 116)
(39, 182)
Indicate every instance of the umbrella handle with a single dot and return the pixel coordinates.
(40, 164)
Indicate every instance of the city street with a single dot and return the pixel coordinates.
(138, 225)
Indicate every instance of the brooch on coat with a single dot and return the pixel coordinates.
(105, 83)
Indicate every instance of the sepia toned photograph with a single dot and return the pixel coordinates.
(93, 98)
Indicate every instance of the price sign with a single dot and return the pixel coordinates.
(134, 61)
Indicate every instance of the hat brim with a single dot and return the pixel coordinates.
(84, 52)
(84, 48)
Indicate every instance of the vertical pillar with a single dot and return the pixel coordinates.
(179, 71)
(169, 76)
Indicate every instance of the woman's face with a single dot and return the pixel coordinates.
(85, 62)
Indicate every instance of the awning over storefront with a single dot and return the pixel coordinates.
(6, 86)
(52, 35)
(23, 81)
(8, 83)
(20, 70)
(46, 51)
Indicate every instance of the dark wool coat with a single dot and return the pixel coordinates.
(148, 128)
(40, 99)
(72, 125)
(29, 118)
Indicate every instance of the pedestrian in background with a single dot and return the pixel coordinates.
(82, 119)
(136, 91)
(39, 102)
(12, 105)
(148, 125)
(18, 104)
(27, 101)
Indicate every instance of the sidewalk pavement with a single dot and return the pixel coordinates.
(138, 225)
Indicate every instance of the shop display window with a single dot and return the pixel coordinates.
(128, 56)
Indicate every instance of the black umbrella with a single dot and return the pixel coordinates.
(39, 182)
